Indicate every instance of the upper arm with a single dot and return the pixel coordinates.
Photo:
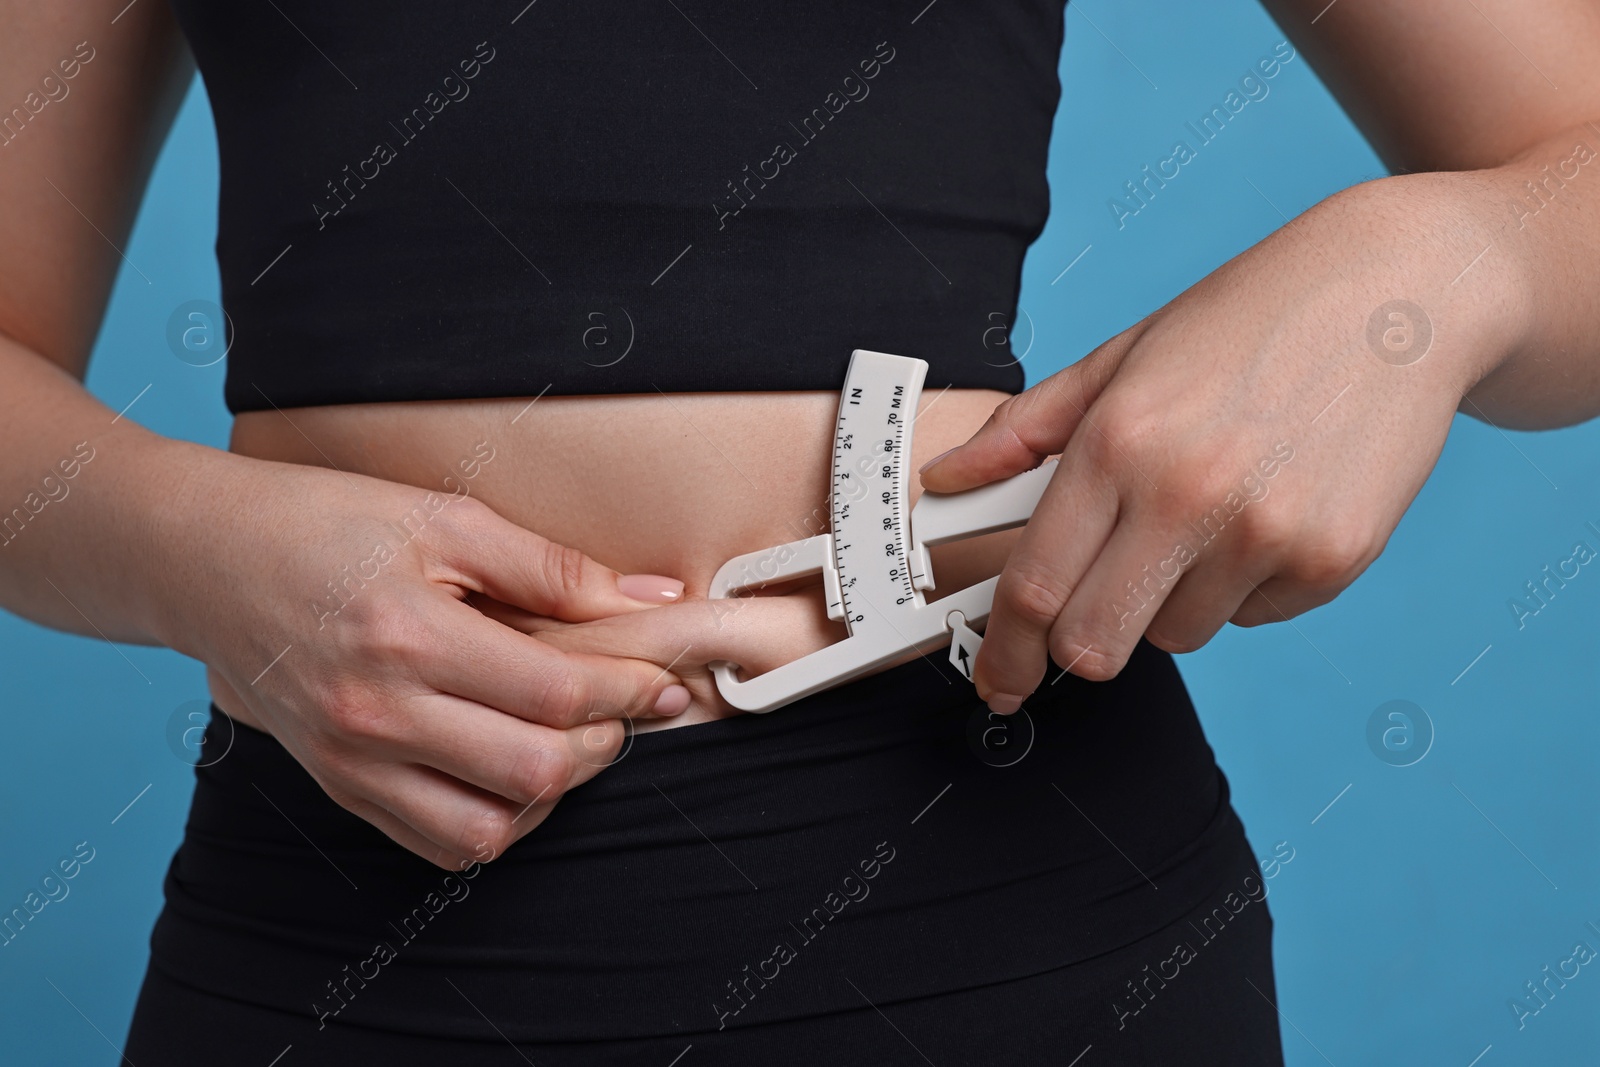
(1453, 84)
(85, 102)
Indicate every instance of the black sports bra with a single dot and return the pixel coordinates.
(437, 201)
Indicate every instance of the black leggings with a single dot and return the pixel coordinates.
(881, 873)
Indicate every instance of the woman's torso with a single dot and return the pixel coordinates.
(672, 226)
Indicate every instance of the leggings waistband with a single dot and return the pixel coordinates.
(716, 873)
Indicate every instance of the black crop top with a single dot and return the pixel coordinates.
(440, 201)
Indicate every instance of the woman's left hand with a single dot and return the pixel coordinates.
(1243, 453)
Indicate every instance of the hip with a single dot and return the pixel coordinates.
(726, 874)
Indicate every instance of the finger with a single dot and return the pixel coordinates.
(407, 837)
(523, 762)
(1073, 521)
(1285, 596)
(519, 619)
(455, 817)
(1271, 602)
(757, 633)
(474, 657)
(1030, 426)
(1291, 564)
(1117, 599)
(1217, 578)
(492, 555)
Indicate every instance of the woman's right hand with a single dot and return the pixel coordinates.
(331, 609)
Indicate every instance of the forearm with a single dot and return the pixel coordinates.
(90, 533)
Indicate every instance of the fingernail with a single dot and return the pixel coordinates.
(1004, 703)
(672, 701)
(936, 459)
(650, 588)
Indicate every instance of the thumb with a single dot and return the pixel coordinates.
(1028, 427)
(494, 556)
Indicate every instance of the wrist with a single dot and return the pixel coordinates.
(1441, 240)
(193, 513)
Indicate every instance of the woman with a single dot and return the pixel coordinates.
(508, 393)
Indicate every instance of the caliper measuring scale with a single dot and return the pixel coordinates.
(874, 561)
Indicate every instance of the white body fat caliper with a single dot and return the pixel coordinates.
(874, 561)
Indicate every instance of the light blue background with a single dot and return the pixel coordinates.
(1406, 920)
